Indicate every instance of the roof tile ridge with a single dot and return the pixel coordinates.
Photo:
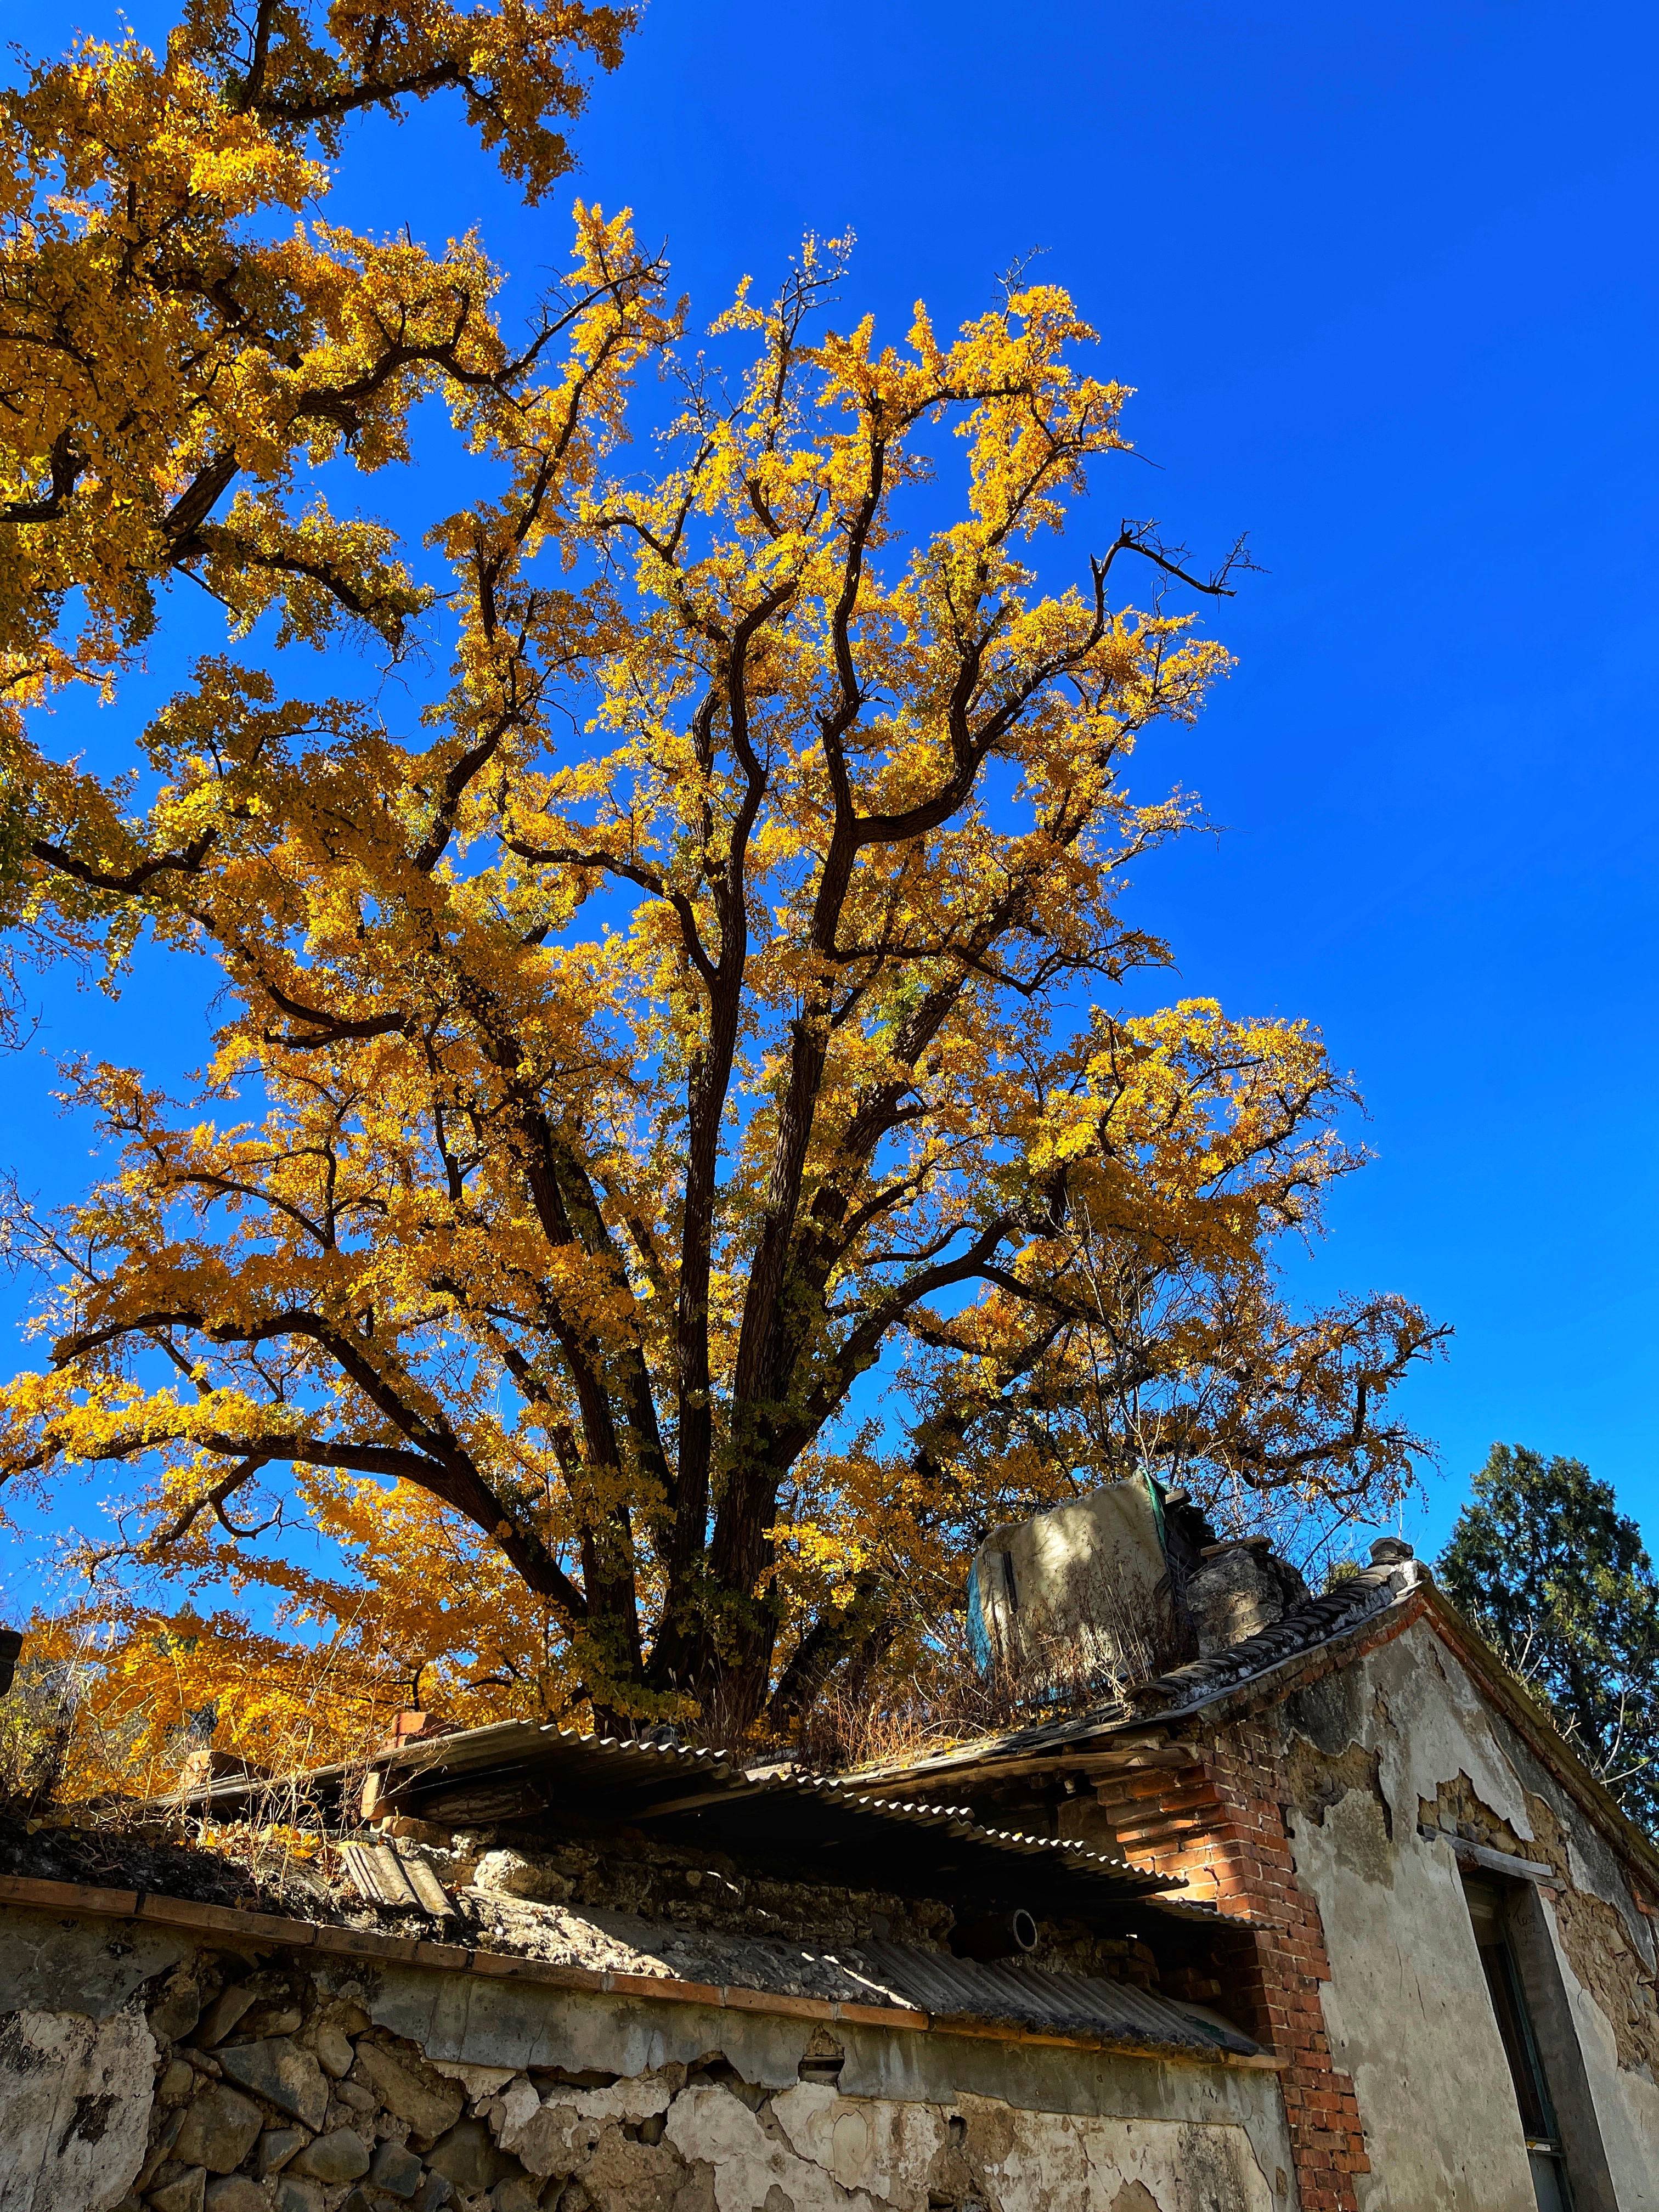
(1313, 1621)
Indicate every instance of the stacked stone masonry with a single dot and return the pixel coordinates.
(272, 2089)
(243, 2080)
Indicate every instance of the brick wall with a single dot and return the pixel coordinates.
(1217, 1820)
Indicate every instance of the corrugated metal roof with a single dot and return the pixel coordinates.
(778, 1808)
(617, 1761)
(608, 1765)
(832, 1802)
(1064, 2004)
(782, 1810)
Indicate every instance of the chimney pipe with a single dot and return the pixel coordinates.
(995, 1935)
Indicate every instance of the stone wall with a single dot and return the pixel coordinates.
(694, 1891)
(140, 2068)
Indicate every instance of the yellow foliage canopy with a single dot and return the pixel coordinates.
(718, 997)
(177, 330)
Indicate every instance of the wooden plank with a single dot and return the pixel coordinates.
(767, 2001)
(662, 1985)
(56, 1896)
(888, 2016)
(225, 1920)
(364, 1943)
(511, 1965)
(1481, 1854)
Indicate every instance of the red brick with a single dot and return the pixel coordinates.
(1222, 1829)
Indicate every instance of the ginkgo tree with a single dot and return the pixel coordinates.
(677, 1160)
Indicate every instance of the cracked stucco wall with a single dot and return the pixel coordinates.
(1402, 1734)
(140, 2070)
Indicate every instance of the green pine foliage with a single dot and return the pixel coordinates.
(1559, 1581)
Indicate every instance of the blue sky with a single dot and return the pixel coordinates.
(1384, 281)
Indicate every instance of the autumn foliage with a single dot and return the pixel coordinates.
(678, 1158)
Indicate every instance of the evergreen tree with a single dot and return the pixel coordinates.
(1559, 1581)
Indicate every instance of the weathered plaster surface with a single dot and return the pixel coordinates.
(901, 2153)
(91, 1966)
(1626, 2099)
(895, 2081)
(1402, 1728)
(1407, 2009)
(818, 2150)
(1409, 2018)
(75, 2106)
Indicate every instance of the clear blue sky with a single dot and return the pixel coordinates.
(1384, 280)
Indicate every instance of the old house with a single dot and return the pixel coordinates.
(1324, 1914)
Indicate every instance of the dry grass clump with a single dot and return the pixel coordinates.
(943, 1697)
(941, 1700)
